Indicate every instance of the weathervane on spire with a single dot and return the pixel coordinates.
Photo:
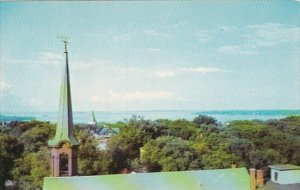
(65, 40)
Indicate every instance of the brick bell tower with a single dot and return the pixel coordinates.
(64, 146)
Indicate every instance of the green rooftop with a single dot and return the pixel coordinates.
(221, 179)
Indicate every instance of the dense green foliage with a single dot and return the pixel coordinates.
(161, 145)
(91, 161)
(29, 162)
(165, 145)
(9, 150)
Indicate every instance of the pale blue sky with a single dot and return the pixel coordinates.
(191, 55)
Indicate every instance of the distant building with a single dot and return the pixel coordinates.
(92, 121)
(3, 123)
(103, 134)
(108, 132)
(285, 174)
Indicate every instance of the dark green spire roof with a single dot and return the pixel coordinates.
(64, 128)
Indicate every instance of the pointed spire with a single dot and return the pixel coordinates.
(93, 116)
(92, 119)
(64, 129)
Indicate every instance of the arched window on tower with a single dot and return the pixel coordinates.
(63, 164)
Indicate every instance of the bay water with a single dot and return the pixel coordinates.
(113, 117)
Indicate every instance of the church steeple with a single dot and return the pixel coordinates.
(92, 121)
(64, 145)
(64, 129)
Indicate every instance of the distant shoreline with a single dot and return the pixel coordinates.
(113, 117)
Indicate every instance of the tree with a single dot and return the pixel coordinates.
(126, 145)
(37, 137)
(219, 159)
(9, 150)
(206, 120)
(161, 145)
(240, 148)
(170, 154)
(91, 160)
(31, 168)
(183, 129)
(264, 158)
(33, 163)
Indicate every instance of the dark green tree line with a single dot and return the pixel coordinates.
(160, 145)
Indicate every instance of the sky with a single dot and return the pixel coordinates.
(151, 55)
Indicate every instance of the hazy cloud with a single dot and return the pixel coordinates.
(46, 58)
(140, 95)
(156, 34)
(263, 35)
(153, 50)
(121, 38)
(94, 34)
(49, 57)
(96, 64)
(4, 86)
(270, 34)
(34, 102)
(181, 71)
(203, 36)
(113, 96)
(163, 74)
(227, 28)
(202, 70)
(238, 49)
